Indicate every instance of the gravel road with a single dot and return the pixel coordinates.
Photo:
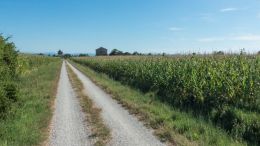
(126, 129)
(68, 127)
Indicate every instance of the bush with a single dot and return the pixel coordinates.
(8, 65)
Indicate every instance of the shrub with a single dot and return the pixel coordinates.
(8, 65)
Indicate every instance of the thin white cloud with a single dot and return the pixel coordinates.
(228, 9)
(248, 37)
(176, 28)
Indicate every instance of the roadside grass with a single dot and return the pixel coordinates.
(170, 124)
(28, 118)
(101, 133)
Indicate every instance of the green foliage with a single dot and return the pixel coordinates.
(8, 64)
(170, 124)
(26, 118)
(116, 52)
(60, 53)
(217, 87)
(26, 84)
(30, 63)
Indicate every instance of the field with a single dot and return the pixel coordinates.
(222, 90)
(27, 87)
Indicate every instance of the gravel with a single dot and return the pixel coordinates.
(125, 128)
(68, 127)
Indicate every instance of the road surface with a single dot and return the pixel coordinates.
(68, 126)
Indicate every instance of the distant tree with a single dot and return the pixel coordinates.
(258, 52)
(136, 53)
(116, 52)
(67, 55)
(218, 53)
(242, 51)
(127, 53)
(83, 55)
(150, 54)
(41, 54)
(60, 53)
(163, 54)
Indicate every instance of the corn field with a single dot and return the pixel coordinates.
(223, 89)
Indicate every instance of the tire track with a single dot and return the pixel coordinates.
(68, 127)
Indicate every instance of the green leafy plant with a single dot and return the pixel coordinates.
(220, 88)
(8, 64)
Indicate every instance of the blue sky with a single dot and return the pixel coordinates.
(171, 26)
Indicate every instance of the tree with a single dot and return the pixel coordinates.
(127, 53)
(67, 55)
(136, 53)
(60, 53)
(218, 53)
(83, 55)
(243, 51)
(116, 52)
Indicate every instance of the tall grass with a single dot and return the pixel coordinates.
(28, 117)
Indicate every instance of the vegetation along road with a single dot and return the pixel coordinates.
(126, 129)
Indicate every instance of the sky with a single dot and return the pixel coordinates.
(156, 26)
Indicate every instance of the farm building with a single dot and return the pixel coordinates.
(101, 51)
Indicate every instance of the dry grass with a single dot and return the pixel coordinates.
(100, 131)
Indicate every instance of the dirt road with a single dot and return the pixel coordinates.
(68, 127)
(126, 129)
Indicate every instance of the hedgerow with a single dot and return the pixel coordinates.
(8, 75)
